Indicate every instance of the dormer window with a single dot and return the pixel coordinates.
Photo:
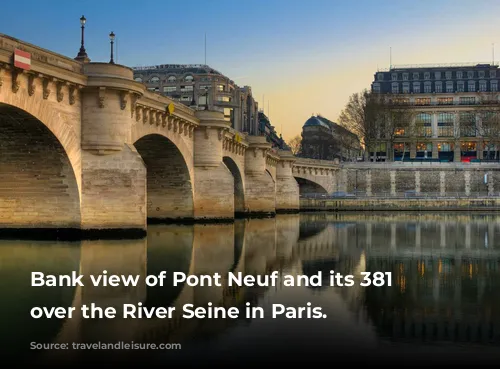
(171, 79)
(188, 78)
(416, 75)
(138, 79)
(154, 80)
(427, 75)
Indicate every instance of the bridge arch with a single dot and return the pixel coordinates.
(306, 186)
(169, 179)
(39, 168)
(239, 188)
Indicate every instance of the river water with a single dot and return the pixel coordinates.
(443, 299)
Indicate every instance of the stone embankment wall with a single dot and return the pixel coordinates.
(440, 179)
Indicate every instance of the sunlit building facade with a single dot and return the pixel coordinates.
(199, 85)
(454, 112)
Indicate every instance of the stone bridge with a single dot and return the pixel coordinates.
(84, 146)
(316, 176)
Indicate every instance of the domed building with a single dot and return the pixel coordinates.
(326, 140)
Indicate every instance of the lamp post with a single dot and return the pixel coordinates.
(112, 41)
(82, 54)
(206, 100)
(193, 102)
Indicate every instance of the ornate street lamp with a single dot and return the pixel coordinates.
(82, 54)
(112, 41)
(206, 100)
(193, 102)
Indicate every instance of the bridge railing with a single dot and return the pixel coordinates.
(400, 195)
(315, 162)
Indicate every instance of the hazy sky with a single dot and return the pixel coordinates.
(304, 57)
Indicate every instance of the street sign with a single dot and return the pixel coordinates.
(22, 59)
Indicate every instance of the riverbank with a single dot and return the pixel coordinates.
(388, 204)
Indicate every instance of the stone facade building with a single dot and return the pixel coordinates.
(326, 140)
(454, 112)
(200, 85)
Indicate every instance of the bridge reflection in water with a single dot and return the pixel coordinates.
(445, 285)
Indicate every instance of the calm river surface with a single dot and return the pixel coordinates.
(444, 299)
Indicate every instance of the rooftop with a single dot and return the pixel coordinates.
(180, 69)
(322, 121)
(440, 65)
(176, 67)
(316, 121)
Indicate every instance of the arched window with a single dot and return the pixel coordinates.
(171, 79)
(154, 80)
(138, 79)
(188, 78)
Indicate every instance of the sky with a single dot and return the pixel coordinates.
(300, 57)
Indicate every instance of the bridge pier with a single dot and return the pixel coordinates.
(260, 187)
(287, 188)
(213, 182)
(113, 173)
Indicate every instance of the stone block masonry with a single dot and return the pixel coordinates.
(37, 184)
(441, 179)
(113, 190)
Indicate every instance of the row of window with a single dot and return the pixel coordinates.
(445, 124)
(173, 79)
(438, 87)
(422, 101)
(438, 75)
(441, 146)
(464, 117)
(220, 88)
(170, 79)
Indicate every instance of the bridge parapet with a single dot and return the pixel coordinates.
(42, 60)
(316, 163)
(235, 142)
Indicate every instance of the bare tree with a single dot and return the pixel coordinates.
(490, 129)
(378, 119)
(295, 144)
(396, 120)
(347, 143)
(361, 116)
(482, 122)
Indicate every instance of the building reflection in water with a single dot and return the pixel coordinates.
(445, 275)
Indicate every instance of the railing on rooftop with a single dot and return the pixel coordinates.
(173, 66)
(439, 65)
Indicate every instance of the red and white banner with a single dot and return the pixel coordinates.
(22, 59)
